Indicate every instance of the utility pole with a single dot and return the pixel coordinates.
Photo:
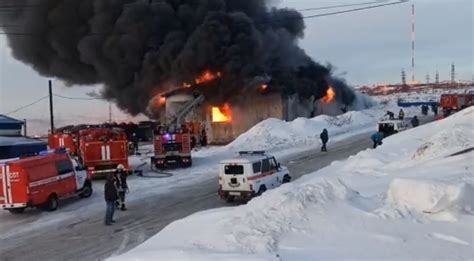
(437, 77)
(404, 78)
(413, 37)
(51, 111)
(110, 112)
(427, 78)
(25, 132)
(453, 73)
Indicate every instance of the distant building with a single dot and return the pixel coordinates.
(10, 127)
(12, 144)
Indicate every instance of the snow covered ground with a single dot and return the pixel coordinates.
(411, 198)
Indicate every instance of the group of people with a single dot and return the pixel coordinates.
(115, 189)
(425, 109)
(391, 115)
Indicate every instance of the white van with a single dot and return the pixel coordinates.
(250, 174)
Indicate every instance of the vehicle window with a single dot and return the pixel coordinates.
(273, 164)
(64, 167)
(265, 165)
(257, 167)
(234, 169)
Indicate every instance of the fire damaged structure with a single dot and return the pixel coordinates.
(224, 122)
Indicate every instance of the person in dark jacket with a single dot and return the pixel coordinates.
(415, 122)
(110, 194)
(324, 139)
(377, 139)
(122, 186)
(203, 138)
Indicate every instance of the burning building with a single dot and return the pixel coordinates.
(225, 121)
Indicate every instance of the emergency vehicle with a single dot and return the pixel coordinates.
(172, 149)
(101, 150)
(63, 141)
(390, 127)
(455, 102)
(249, 175)
(41, 181)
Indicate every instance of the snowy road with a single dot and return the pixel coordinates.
(91, 240)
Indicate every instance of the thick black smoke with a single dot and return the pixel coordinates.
(139, 48)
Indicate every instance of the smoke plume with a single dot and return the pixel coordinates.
(141, 48)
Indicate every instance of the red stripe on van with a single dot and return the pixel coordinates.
(262, 175)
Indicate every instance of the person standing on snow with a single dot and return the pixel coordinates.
(401, 115)
(122, 186)
(110, 195)
(377, 139)
(324, 139)
(415, 122)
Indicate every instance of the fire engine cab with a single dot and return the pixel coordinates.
(172, 149)
(101, 150)
(41, 181)
(250, 174)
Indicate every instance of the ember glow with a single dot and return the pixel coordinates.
(221, 114)
(330, 95)
(207, 76)
(162, 100)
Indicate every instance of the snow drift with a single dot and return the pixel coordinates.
(379, 204)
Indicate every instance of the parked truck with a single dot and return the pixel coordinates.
(451, 103)
(41, 181)
(172, 148)
(101, 150)
(66, 141)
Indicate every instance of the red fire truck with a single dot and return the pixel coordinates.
(172, 149)
(41, 181)
(66, 141)
(455, 102)
(101, 150)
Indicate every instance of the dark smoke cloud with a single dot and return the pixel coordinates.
(137, 49)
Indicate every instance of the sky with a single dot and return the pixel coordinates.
(366, 47)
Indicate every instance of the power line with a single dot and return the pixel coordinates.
(77, 98)
(356, 9)
(28, 105)
(276, 20)
(339, 6)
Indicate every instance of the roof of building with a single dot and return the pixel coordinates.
(9, 120)
(19, 141)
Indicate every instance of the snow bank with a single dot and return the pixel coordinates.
(378, 204)
(427, 196)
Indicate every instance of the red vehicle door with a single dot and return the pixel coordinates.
(118, 152)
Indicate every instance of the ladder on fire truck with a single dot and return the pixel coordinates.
(186, 109)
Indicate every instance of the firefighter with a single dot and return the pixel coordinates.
(415, 122)
(135, 143)
(401, 115)
(434, 108)
(203, 138)
(324, 139)
(122, 186)
(377, 139)
(110, 194)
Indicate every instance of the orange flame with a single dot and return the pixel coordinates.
(330, 95)
(263, 87)
(207, 76)
(162, 100)
(221, 114)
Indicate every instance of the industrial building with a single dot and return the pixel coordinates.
(10, 127)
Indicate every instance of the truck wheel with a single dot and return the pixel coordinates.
(17, 210)
(286, 179)
(86, 190)
(53, 203)
(261, 190)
